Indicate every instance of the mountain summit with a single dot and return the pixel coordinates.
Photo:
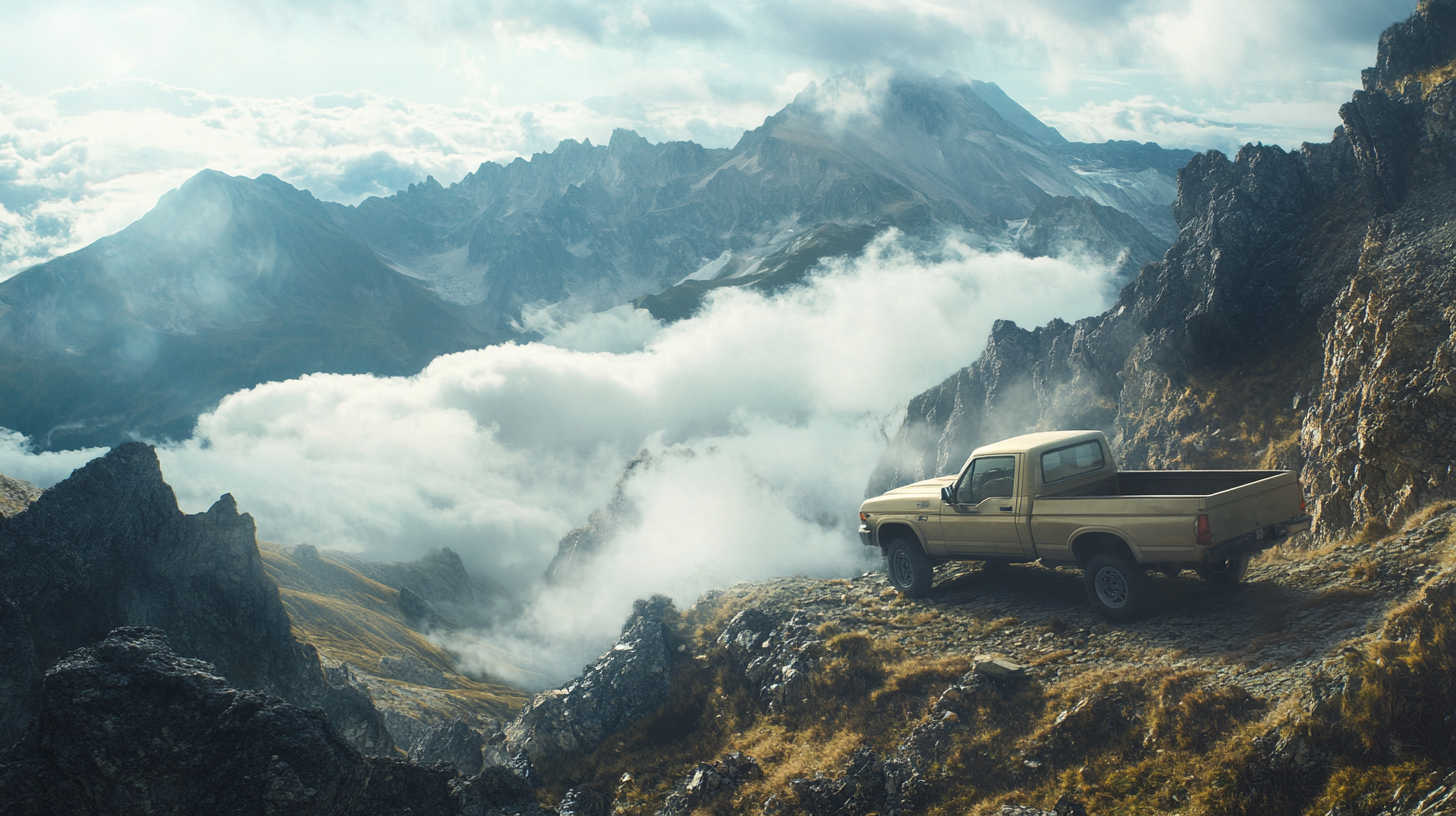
(231, 282)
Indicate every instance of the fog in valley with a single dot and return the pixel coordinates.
(771, 411)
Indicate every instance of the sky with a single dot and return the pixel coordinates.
(104, 106)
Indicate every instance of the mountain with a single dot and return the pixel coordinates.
(1301, 320)
(231, 282)
(108, 548)
(225, 284)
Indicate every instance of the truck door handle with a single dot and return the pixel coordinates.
(1006, 508)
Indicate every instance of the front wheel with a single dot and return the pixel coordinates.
(908, 568)
(1224, 573)
(1116, 585)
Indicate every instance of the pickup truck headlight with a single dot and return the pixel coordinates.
(863, 516)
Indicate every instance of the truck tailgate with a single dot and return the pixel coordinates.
(1244, 509)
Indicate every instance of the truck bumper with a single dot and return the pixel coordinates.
(1257, 541)
(866, 537)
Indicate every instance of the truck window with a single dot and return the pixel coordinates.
(1072, 461)
(987, 477)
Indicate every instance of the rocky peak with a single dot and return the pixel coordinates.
(108, 547)
(1425, 40)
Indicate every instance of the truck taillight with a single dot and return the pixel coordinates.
(1205, 533)
(1302, 510)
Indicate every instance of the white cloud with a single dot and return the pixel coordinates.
(784, 402)
(82, 163)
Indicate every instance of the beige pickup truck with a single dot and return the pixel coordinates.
(1059, 497)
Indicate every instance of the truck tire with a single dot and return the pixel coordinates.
(1116, 585)
(908, 568)
(1224, 573)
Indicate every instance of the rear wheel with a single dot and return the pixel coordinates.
(908, 568)
(1116, 585)
(1224, 573)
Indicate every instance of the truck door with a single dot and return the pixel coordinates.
(983, 519)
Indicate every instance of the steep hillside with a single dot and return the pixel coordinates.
(1302, 319)
(229, 282)
(378, 634)
(1323, 685)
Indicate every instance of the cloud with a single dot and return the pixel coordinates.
(776, 406)
(84, 162)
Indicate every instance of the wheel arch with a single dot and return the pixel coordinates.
(892, 530)
(1093, 541)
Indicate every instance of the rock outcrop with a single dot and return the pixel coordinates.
(16, 495)
(626, 684)
(128, 726)
(1301, 319)
(20, 675)
(108, 547)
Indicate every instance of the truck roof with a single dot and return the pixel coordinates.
(1035, 443)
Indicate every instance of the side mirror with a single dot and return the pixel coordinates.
(947, 494)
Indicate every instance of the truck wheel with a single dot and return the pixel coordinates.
(1116, 585)
(1224, 573)
(908, 568)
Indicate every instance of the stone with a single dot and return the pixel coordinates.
(627, 683)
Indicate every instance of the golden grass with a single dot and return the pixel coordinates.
(353, 619)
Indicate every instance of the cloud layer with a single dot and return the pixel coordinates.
(363, 97)
(775, 409)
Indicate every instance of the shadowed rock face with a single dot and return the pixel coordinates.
(128, 726)
(108, 547)
(20, 676)
(1301, 319)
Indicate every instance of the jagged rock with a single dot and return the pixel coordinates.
(628, 683)
(497, 789)
(435, 591)
(1301, 318)
(108, 547)
(20, 677)
(776, 658)
(869, 785)
(16, 495)
(128, 726)
(582, 802)
(1065, 227)
(453, 742)
(710, 780)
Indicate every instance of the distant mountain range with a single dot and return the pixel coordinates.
(230, 282)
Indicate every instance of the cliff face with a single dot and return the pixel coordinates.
(108, 547)
(1300, 320)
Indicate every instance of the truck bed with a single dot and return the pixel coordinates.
(1169, 483)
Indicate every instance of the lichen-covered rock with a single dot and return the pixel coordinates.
(108, 547)
(127, 726)
(776, 658)
(624, 685)
(710, 781)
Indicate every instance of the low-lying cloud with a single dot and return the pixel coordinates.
(773, 411)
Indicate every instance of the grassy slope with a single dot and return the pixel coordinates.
(1131, 719)
(354, 620)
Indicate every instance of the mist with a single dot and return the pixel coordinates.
(766, 414)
